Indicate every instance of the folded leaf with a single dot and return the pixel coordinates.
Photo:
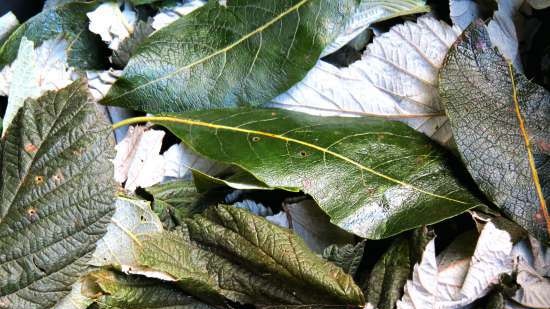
(247, 55)
(500, 123)
(113, 290)
(396, 79)
(68, 21)
(374, 178)
(56, 196)
(372, 11)
(229, 252)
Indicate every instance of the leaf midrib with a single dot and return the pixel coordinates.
(218, 52)
(191, 122)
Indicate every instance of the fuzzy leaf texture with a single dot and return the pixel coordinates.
(56, 196)
(204, 62)
(68, 21)
(229, 252)
(374, 178)
(500, 122)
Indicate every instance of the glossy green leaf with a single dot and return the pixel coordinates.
(374, 178)
(114, 290)
(246, 55)
(68, 21)
(227, 252)
(56, 196)
(500, 121)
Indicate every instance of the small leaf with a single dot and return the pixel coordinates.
(500, 123)
(347, 257)
(372, 11)
(56, 196)
(272, 44)
(395, 79)
(68, 21)
(374, 178)
(228, 252)
(113, 290)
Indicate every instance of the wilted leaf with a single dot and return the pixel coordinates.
(459, 282)
(8, 24)
(396, 79)
(113, 290)
(372, 11)
(201, 62)
(68, 21)
(347, 257)
(390, 273)
(374, 178)
(500, 124)
(111, 23)
(229, 252)
(56, 196)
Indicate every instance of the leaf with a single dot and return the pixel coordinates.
(168, 15)
(533, 292)
(503, 33)
(8, 24)
(56, 196)
(114, 290)
(272, 44)
(347, 257)
(128, 46)
(464, 12)
(309, 222)
(396, 79)
(131, 219)
(372, 11)
(75, 299)
(539, 4)
(500, 124)
(459, 282)
(228, 252)
(388, 178)
(101, 81)
(68, 21)
(112, 24)
(390, 273)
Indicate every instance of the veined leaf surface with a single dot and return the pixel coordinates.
(56, 196)
(374, 178)
(229, 252)
(68, 21)
(500, 121)
(226, 56)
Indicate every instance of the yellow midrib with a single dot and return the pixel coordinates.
(528, 146)
(221, 51)
(192, 122)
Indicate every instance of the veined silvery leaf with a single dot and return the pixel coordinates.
(168, 15)
(397, 78)
(111, 23)
(371, 11)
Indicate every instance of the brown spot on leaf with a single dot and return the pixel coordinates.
(32, 214)
(58, 177)
(31, 148)
(39, 180)
(255, 139)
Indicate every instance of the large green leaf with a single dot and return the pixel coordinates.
(374, 178)
(68, 21)
(229, 252)
(222, 56)
(113, 290)
(500, 121)
(56, 196)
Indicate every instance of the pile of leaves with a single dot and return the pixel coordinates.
(276, 154)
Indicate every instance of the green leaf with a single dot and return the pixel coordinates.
(68, 21)
(347, 257)
(500, 122)
(128, 47)
(374, 178)
(56, 194)
(390, 273)
(247, 55)
(113, 290)
(229, 252)
(175, 200)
